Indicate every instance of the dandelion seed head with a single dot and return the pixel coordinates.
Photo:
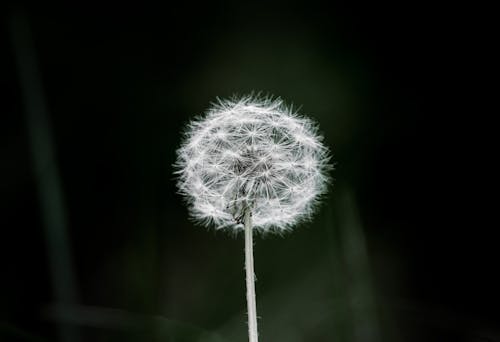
(253, 153)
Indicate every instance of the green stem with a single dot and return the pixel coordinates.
(253, 335)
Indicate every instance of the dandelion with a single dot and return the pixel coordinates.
(252, 164)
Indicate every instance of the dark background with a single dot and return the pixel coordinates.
(399, 250)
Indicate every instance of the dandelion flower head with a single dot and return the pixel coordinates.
(254, 154)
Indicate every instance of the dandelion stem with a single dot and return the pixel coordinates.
(251, 303)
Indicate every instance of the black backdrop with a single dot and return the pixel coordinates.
(399, 250)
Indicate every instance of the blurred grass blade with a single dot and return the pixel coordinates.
(338, 283)
(44, 164)
(135, 326)
(364, 319)
(12, 333)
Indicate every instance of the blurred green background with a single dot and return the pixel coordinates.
(97, 246)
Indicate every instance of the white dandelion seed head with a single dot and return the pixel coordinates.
(253, 153)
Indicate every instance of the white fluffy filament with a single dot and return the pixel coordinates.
(252, 152)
